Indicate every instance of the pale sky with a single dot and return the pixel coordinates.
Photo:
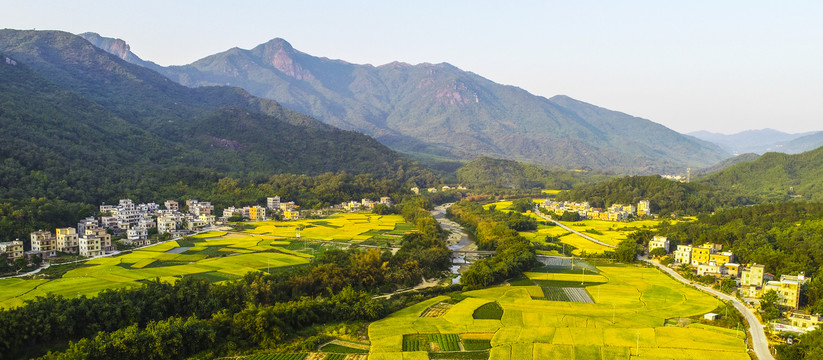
(722, 66)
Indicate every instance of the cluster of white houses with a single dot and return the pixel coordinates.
(615, 212)
(133, 222)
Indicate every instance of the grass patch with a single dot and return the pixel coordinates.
(215, 276)
(276, 357)
(161, 263)
(340, 349)
(444, 342)
(474, 355)
(490, 310)
(476, 344)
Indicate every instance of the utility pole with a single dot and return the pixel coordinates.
(637, 352)
(583, 276)
(613, 313)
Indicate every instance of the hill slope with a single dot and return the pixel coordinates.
(775, 177)
(763, 141)
(440, 110)
(82, 125)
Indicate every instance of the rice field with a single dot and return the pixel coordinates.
(630, 306)
(214, 256)
(350, 227)
(609, 232)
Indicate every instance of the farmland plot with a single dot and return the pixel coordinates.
(631, 307)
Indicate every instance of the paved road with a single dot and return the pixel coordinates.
(587, 237)
(760, 343)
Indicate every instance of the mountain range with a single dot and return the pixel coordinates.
(437, 111)
(763, 141)
(83, 125)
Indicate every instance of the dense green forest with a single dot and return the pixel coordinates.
(667, 197)
(485, 172)
(493, 229)
(257, 311)
(774, 177)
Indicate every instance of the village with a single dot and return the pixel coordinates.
(131, 225)
(751, 282)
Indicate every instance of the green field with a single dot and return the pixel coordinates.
(214, 256)
(630, 308)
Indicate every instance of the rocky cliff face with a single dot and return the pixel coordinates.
(119, 48)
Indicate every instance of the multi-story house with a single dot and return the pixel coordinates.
(644, 208)
(700, 255)
(13, 249)
(721, 258)
(44, 242)
(89, 245)
(659, 242)
(171, 205)
(752, 275)
(683, 254)
(66, 240)
(273, 203)
(105, 238)
(788, 289)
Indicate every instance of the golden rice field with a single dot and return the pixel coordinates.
(215, 256)
(355, 227)
(630, 309)
(611, 232)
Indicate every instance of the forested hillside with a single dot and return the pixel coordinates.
(81, 126)
(666, 196)
(775, 177)
(498, 173)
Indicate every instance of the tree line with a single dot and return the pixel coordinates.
(494, 230)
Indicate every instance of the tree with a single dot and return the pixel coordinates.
(523, 205)
(4, 263)
(626, 251)
(728, 285)
(36, 260)
(20, 263)
(658, 252)
(769, 305)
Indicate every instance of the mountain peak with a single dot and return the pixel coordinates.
(117, 47)
(281, 55)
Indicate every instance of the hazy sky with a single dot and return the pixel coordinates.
(722, 66)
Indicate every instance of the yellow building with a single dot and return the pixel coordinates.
(721, 258)
(291, 215)
(66, 240)
(644, 208)
(788, 289)
(14, 249)
(700, 255)
(805, 321)
(732, 269)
